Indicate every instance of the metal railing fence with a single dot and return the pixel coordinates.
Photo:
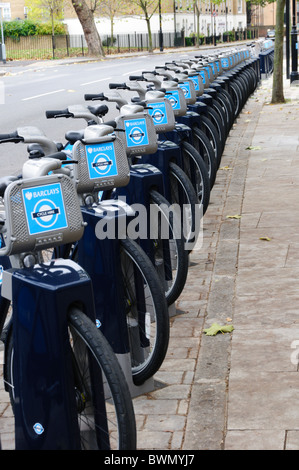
(56, 47)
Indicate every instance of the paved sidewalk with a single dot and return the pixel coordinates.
(235, 390)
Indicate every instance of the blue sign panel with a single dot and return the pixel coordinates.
(208, 70)
(185, 86)
(195, 81)
(136, 132)
(44, 208)
(174, 99)
(101, 160)
(202, 74)
(158, 113)
(224, 62)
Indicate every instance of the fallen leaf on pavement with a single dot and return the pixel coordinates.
(216, 328)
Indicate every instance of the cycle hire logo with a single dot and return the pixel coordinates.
(185, 86)
(136, 132)
(174, 99)
(195, 81)
(158, 113)
(202, 74)
(44, 208)
(101, 160)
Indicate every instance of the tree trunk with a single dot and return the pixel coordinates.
(91, 34)
(197, 24)
(149, 31)
(111, 32)
(277, 89)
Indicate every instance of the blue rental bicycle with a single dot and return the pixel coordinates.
(66, 386)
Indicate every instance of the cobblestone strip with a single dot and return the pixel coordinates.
(206, 421)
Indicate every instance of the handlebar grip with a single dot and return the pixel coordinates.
(113, 86)
(12, 137)
(153, 72)
(92, 97)
(136, 77)
(58, 113)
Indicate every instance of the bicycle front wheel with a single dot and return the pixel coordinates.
(195, 169)
(146, 312)
(109, 422)
(170, 257)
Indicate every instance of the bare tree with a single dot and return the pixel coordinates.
(109, 9)
(148, 7)
(46, 9)
(277, 89)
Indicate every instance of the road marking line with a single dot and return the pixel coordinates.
(43, 94)
(132, 72)
(95, 81)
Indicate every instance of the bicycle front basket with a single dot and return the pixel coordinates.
(41, 213)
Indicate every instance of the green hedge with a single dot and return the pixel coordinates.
(17, 28)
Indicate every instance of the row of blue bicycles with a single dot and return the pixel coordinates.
(96, 234)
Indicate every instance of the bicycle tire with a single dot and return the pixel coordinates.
(226, 102)
(195, 169)
(222, 115)
(170, 257)
(85, 337)
(183, 193)
(236, 97)
(211, 132)
(202, 144)
(216, 121)
(146, 312)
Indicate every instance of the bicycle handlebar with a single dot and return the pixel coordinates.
(136, 77)
(152, 72)
(12, 137)
(97, 96)
(114, 86)
(51, 114)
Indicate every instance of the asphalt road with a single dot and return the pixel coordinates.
(31, 90)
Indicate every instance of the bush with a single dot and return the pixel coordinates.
(17, 28)
(107, 42)
(230, 35)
